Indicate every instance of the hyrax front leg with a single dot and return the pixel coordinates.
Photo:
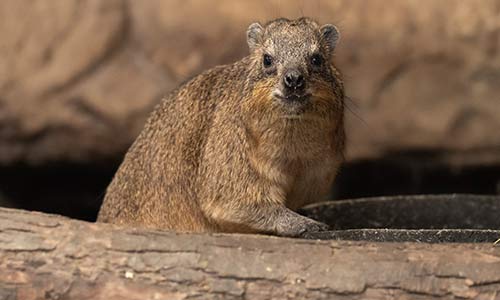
(265, 218)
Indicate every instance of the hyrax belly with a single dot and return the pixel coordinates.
(312, 184)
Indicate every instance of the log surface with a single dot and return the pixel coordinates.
(50, 257)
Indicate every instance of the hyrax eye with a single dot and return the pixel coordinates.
(267, 60)
(316, 60)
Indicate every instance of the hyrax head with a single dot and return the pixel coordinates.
(293, 62)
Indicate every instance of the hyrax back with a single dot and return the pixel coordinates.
(241, 146)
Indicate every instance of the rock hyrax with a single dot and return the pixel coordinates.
(239, 147)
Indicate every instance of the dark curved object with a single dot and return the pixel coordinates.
(424, 218)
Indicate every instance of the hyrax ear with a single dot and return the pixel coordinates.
(330, 35)
(254, 36)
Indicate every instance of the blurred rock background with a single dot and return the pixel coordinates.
(78, 79)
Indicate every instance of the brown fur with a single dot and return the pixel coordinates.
(221, 154)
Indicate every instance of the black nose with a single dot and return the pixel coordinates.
(293, 79)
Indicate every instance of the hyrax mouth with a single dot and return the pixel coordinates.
(294, 105)
(292, 98)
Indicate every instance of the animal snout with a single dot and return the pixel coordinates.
(294, 79)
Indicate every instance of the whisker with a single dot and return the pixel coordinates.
(347, 103)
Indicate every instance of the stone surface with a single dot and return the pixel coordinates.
(72, 88)
(78, 78)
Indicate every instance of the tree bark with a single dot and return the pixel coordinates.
(50, 257)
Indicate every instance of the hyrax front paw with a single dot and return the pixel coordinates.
(308, 228)
(301, 227)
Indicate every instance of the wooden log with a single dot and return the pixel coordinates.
(50, 257)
